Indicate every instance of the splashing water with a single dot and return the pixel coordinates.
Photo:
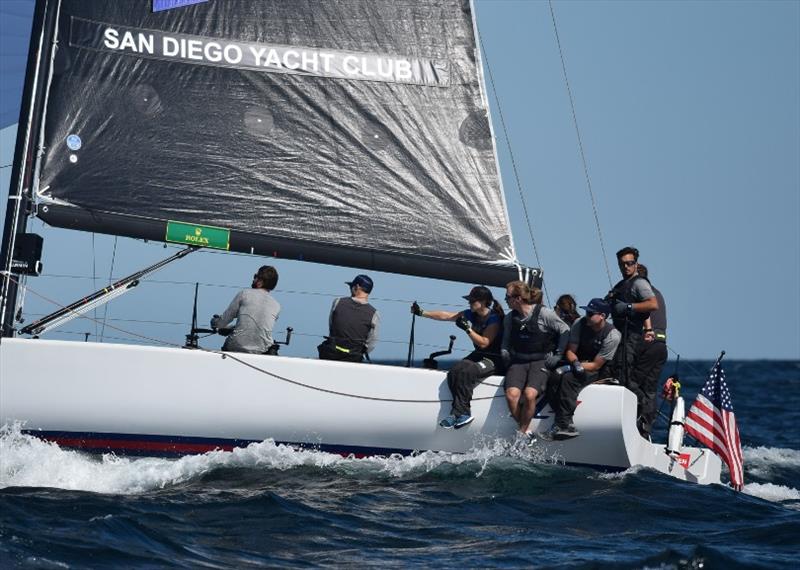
(31, 462)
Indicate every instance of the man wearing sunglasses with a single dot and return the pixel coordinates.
(255, 311)
(632, 299)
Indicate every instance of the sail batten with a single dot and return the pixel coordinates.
(321, 126)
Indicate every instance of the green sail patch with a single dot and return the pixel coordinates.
(201, 236)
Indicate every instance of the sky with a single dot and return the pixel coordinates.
(689, 117)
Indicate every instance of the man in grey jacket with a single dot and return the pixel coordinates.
(255, 311)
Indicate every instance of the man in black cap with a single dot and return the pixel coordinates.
(353, 324)
(591, 347)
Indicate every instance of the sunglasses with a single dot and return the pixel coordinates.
(510, 298)
(627, 263)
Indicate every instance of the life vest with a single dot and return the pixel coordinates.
(590, 342)
(528, 341)
(479, 326)
(351, 323)
(658, 318)
(623, 291)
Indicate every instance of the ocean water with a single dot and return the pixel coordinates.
(497, 506)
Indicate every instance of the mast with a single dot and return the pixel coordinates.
(19, 196)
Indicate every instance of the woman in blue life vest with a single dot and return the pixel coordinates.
(483, 324)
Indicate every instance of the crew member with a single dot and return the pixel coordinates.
(482, 322)
(353, 324)
(534, 339)
(255, 311)
(632, 300)
(652, 357)
(566, 309)
(592, 344)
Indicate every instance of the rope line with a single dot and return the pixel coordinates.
(226, 286)
(580, 145)
(513, 162)
(226, 355)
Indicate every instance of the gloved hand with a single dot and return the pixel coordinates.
(463, 323)
(214, 320)
(416, 309)
(578, 370)
(506, 357)
(552, 361)
(561, 370)
(622, 309)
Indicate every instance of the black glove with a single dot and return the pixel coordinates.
(578, 370)
(214, 319)
(506, 357)
(622, 309)
(416, 309)
(552, 361)
(463, 323)
(561, 370)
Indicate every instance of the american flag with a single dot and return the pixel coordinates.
(712, 422)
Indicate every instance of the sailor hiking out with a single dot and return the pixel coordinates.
(255, 311)
(482, 323)
(353, 324)
(534, 339)
(592, 344)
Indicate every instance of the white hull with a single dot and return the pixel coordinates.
(136, 399)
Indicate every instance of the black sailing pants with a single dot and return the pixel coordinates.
(562, 394)
(463, 377)
(625, 361)
(652, 356)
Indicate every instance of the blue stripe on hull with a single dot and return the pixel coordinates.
(176, 446)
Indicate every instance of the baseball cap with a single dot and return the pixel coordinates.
(363, 281)
(597, 305)
(479, 293)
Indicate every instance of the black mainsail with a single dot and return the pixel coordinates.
(349, 132)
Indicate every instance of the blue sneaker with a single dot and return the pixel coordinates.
(449, 422)
(463, 420)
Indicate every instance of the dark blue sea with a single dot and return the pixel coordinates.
(268, 506)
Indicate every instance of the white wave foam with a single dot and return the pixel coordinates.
(614, 475)
(774, 493)
(759, 461)
(31, 462)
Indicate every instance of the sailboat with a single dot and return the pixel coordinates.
(340, 133)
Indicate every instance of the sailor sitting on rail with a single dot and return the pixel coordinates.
(255, 311)
(534, 339)
(592, 344)
(353, 324)
(483, 324)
